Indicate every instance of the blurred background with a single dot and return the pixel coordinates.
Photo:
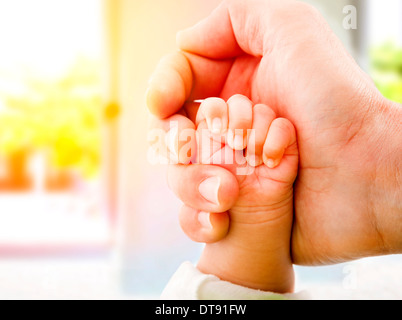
(82, 213)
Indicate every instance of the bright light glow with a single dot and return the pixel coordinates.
(46, 35)
(51, 220)
(43, 40)
(385, 21)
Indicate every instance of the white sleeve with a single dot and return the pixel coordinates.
(188, 283)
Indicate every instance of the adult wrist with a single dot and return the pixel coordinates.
(386, 190)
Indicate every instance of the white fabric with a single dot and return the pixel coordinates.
(188, 283)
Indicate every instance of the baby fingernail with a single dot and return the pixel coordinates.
(209, 189)
(216, 125)
(204, 219)
(270, 163)
(238, 142)
(254, 160)
(171, 139)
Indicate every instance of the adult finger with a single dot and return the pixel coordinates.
(234, 27)
(204, 187)
(237, 26)
(169, 86)
(204, 227)
(172, 141)
(183, 77)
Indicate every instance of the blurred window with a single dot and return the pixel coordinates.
(50, 126)
(385, 41)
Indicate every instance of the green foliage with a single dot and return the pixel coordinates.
(61, 117)
(386, 64)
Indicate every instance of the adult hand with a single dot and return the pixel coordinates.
(283, 53)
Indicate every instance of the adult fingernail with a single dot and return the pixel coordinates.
(204, 219)
(209, 189)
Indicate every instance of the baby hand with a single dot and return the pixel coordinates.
(261, 151)
(252, 143)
